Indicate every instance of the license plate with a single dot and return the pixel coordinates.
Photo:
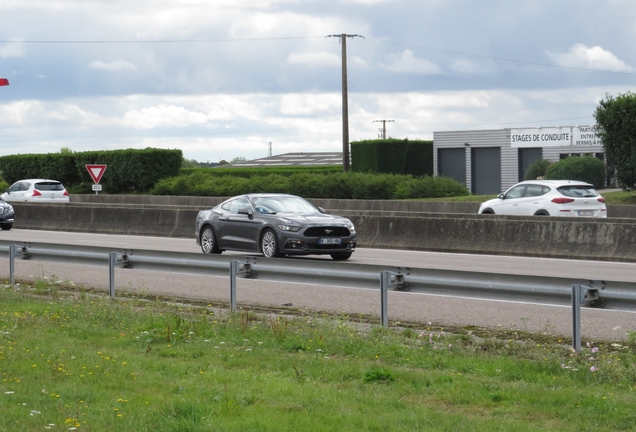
(586, 212)
(329, 241)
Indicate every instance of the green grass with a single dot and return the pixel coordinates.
(72, 360)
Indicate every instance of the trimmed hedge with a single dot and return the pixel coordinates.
(314, 185)
(392, 156)
(129, 171)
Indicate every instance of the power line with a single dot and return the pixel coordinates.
(172, 41)
(494, 59)
(345, 100)
(383, 130)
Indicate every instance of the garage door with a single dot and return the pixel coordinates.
(452, 163)
(486, 170)
(527, 156)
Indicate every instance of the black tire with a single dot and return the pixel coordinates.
(208, 240)
(6, 227)
(340, 256)
(269, 244)
(488, 212)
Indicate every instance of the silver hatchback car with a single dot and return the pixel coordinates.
(548, 198)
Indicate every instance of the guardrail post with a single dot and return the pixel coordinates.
(581, 294)
(112, 260)
(12, 254)
(388, 280)
(236, 268)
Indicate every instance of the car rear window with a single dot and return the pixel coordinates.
(49, 186)
(578, 191)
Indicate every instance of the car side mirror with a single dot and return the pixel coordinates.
(501, 196)
(246, 211)
(321, 210)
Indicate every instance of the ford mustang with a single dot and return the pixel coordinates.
(274, 225)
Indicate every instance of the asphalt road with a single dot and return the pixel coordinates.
(441, 311)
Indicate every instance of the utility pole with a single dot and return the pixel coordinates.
(345, 103)
(384, 122)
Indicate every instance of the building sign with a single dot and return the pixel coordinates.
(585, 136)
(541, 137)
(554, 137)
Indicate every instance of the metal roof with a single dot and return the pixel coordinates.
(293, 159)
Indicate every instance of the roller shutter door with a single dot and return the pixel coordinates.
(486, 170)
(452, 163)
(527, 156)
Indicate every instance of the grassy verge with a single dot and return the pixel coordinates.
(80, 361)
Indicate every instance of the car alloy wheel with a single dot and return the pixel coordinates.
(208, 241)
(269, 244)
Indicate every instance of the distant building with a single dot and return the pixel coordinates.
(491, 161)
(292, 159)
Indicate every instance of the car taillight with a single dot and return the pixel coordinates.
(562, 200)
(36, 193)
(65, 193)
(601, 199)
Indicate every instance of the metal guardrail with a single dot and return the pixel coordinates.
(522, 288)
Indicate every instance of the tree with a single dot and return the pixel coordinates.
(189, 163)
(616, 127)
(238, 159)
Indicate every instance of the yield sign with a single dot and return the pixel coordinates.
(96, 171)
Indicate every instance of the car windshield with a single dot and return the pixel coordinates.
(283, 204)
(578, 191)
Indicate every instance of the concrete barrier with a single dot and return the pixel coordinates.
(333, 205)
(555, 237)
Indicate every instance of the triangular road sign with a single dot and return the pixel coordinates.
(96, 171)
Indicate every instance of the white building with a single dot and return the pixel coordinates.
(491, 161)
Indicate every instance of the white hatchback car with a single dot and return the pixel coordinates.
(36, 190)
(548, 198)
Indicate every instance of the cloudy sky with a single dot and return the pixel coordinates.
(221, 79)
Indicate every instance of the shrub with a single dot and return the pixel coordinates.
(537, 169)
(586, 168)
(337, 185)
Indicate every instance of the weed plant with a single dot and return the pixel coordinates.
(72, 361)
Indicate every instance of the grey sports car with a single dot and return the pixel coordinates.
(274, 225)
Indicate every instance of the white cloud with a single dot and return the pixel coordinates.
(163, 116)
(408, 63)
(582, 56)
(117, 65)
(12, 49)
(315, 59)
(305, 104)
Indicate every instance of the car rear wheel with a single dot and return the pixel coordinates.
(269, 244)
(208, 240)
(341, 256)
(6, 227)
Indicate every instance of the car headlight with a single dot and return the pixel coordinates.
(289, 228)
(352, 228)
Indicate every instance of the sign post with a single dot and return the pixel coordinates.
(96, 172)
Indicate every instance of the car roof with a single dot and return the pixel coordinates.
(556, 183)
(264, 195)
(38, 180)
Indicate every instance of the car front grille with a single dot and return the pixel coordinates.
(327, 231)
